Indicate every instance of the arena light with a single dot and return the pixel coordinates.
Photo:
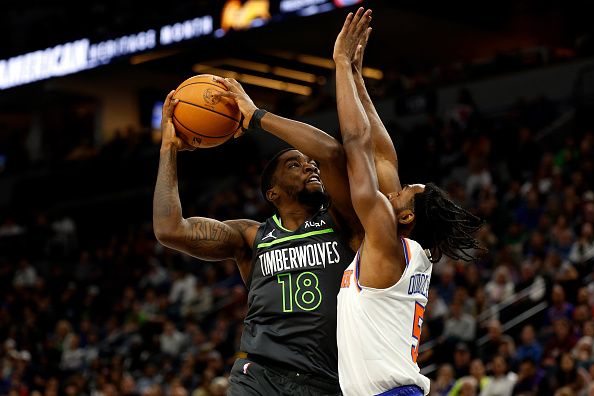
(315, 61)
(142, 58)
(370, 72)
(264, 68)
(245, 64)
(294, 74)
(325, 63)
(254, 80)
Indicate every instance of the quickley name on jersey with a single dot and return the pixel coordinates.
(292, 294)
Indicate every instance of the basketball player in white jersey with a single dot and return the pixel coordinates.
(384, 291)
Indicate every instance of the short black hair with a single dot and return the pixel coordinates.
(267, 178)
(443, 227)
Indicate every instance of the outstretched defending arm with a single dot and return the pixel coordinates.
(354, 124)
(384, 153)
(311, 141)
(383, 251)
(204, 238)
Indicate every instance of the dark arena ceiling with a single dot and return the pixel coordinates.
(409, 37)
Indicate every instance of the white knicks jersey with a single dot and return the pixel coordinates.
(378, 330)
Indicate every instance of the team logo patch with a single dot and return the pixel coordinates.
(210, 97)
(245, 367)
(269, 235)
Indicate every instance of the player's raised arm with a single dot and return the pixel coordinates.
(372, 207)
(207, 239)
(311, 141)
(354, 124)
(384, 152)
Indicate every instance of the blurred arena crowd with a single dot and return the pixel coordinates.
(112, 312)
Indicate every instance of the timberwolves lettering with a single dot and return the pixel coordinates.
(305, 256)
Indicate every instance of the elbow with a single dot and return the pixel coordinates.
(359, 136)
(333, 152)
(165, 236)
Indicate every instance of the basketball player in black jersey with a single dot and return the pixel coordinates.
(292, 263)
(290, 329)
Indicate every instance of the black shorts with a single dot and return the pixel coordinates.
(252, 378)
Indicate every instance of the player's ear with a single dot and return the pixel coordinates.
(406, 216)
(271, 195)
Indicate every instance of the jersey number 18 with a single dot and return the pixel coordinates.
(307, 295)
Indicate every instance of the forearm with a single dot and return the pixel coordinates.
(167, 212)
(354, 127)
(311, 141)
(354, 124)
(370, 110)
(384, 152)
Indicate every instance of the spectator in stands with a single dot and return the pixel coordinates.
(478, 372)
(462, 359)
(172, 340)
(500, 286)
(582, 250)
(447, 286)
(507, 350)
(73, 356)
(568, 375)
(502, 382)
(560, 308)
(582, 352)
(491, 346)
(530, 379)
(561, 342)
(444, 380)
(25, 275)
(530, 348)
(530, 279)
(148, 382)
(459, 326)
(465, 386)
(128, 386)
(530, 209)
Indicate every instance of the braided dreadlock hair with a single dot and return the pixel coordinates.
(444, 227)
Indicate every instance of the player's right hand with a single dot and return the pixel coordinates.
(236, 92)
(169, 139)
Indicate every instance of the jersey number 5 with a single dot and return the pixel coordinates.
(307, 295)
(416, 330)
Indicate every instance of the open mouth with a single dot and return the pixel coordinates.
(314, 179)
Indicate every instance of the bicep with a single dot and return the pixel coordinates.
(362, 175)
(387, 175)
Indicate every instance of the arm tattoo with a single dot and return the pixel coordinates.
(208, 231)
(166, 203)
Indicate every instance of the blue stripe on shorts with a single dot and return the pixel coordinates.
(408, 390)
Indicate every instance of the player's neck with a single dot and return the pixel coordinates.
(293, 216)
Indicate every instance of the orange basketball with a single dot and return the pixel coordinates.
(201, 118)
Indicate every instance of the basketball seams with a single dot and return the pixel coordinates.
(199, 134)
(206, 108)
(201, 82)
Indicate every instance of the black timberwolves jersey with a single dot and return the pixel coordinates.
(292, 294)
